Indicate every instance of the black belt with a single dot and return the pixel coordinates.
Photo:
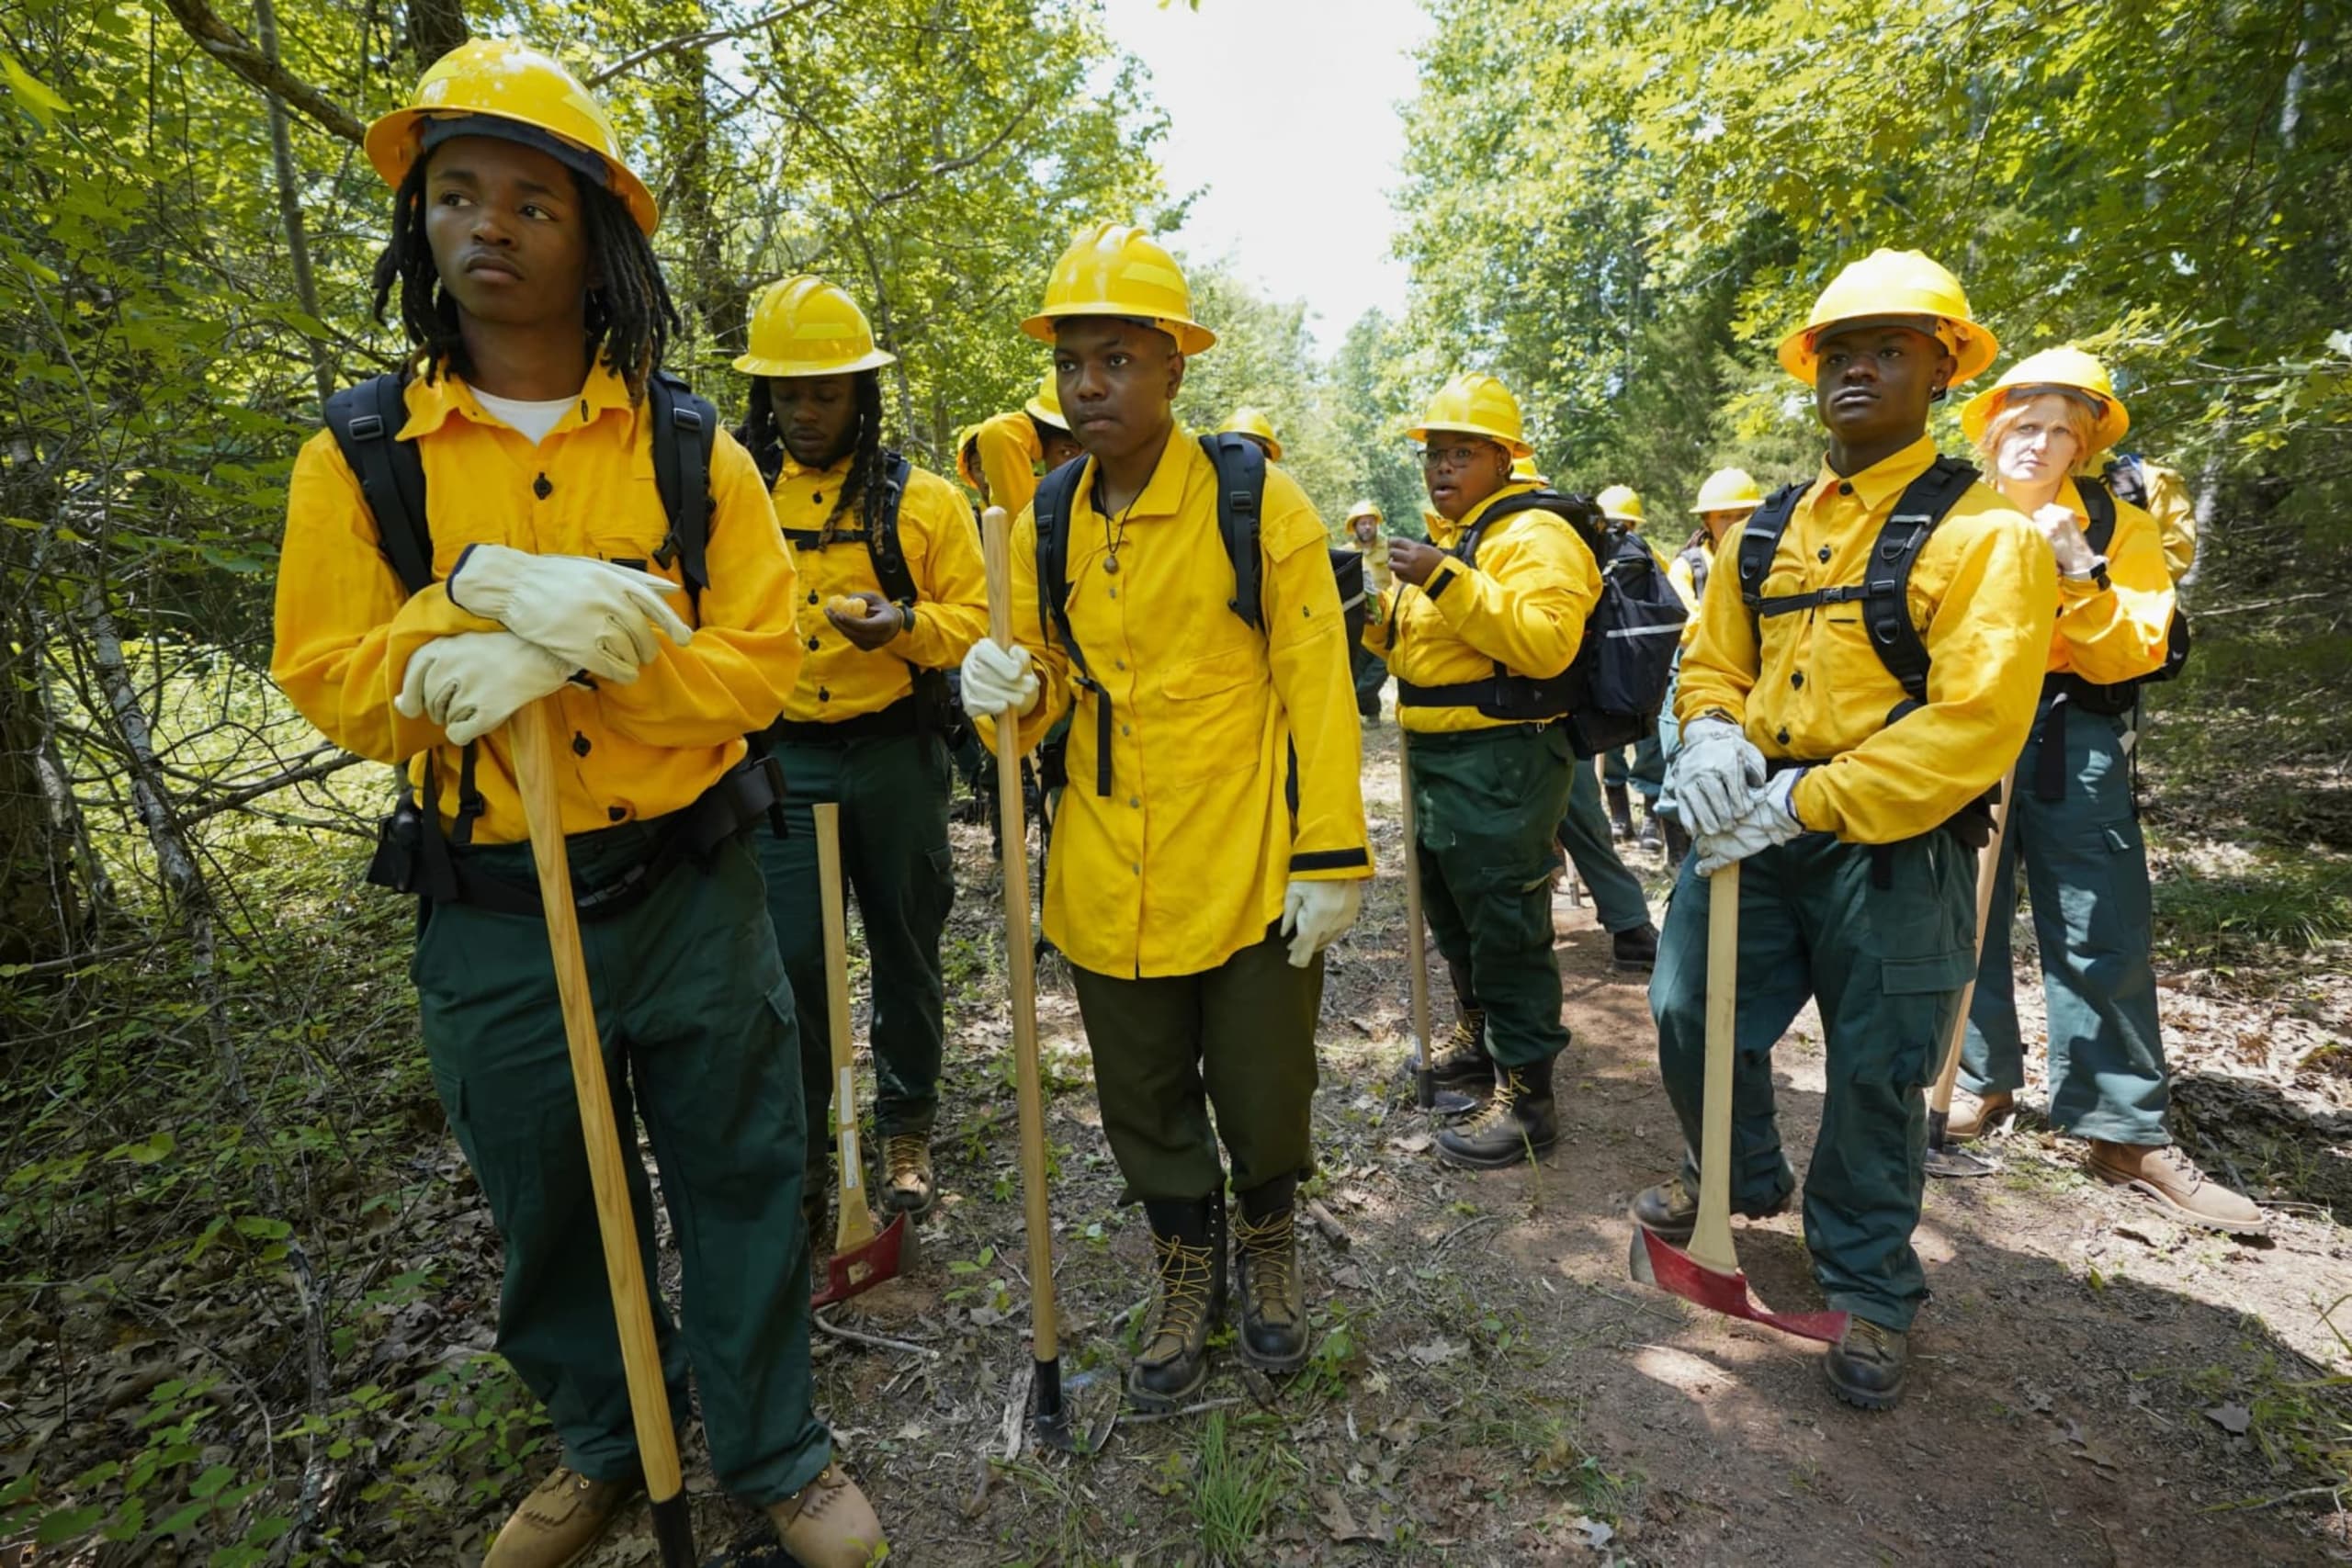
(901, 718)
(1972, 824)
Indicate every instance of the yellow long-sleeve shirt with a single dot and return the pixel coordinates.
(2175, 512)
(1524, 605)
(1009, 452)
(345, 626)
(1983, 594)
(841, 680)
(1184, 864)
(2117, 632)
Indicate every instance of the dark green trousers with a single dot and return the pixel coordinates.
(1238, 1038)
(893, 794)
(1886, 964)
(697, 1023)
(1584, 834)
(1487, 801)
(1371, 673)
(1646, 772)
(2086, 872)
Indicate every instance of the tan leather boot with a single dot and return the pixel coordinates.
(561, 1522)
(1973, 1116)
(829, 1523)
(910, 1189)
(2162, 1172)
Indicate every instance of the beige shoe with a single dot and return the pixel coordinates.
(909, 1191)
(829, 1523)
(2162, 1172)
(1973, 1116)
(562, 1521)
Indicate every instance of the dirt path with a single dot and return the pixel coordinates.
(2095, 1384)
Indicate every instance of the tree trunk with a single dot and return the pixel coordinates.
(289, 205)
(40, 905)
(435, 27)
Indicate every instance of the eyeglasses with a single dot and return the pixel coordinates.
(1449, 457)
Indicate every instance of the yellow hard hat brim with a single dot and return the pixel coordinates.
(392, 142)
(1977, 350)
(2111, 426)
(1036, 410)
(1510, 443)
(787, 369)
(1726, 506)
(1190, 336)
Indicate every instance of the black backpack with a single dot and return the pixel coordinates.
(1611, 691)
(1241, 488)
(2098, 504)
(366, 420)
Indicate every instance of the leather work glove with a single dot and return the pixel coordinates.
(2067, 542)
(1770, 818)
(591, 614)
(998, 680)
(1315, 913)
(471, 682)
(1715, 772)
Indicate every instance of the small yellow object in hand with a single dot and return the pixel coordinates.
(848, 606)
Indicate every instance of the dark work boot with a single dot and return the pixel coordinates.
(1651, 838)
(1620, 812)
(1635, 950)
(1677, 842)
(1188, 1249)
(1518, 1124)
(1670, 1210)
(1867, 1367)
(1273, 1302)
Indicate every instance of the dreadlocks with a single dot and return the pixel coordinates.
(868, 475)
(629, 314)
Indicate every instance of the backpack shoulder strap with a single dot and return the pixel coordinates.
(686, 427)
(1240, 494)
(882, 540)
(1759, 538)
(1887, 608)
(1052, 508)
(2099, 505)
(366, 421)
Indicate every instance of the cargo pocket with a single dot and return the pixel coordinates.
(1920, 999)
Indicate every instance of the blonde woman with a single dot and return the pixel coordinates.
(2072, 823)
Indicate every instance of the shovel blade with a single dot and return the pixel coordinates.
(1677, 1273)
(1952, 1162)
(861, 1268)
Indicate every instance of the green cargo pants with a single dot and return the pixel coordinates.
(2086, 870)
(1238, 1038)
(1646, 773)
(1487, 802)
(1371, 673)
(696, 1019)
(1584, 833)
(892, 790)
(1886, 964)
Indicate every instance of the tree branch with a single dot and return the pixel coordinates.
(634, 58)
(196, 810)
(232, 48)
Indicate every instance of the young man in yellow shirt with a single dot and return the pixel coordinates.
(1849, 785)
(1211, 841)
(1465, 630)
(1371, 671)
(891, 597)
(1001, 457)
(537, 316)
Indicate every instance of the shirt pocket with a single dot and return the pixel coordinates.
(1216, 712)
(629, 528)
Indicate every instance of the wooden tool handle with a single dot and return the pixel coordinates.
(1416, 939)
(1711, 1239)
(1988, 864)
(1020, 956)
(534, 733)
(855, 1227)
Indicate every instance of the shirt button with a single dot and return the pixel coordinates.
(1845, 487)
(1136, 868)
(819, 498)
(1136, 801)
(812, 596)
(1824, 552)
(579, 747)
(1118, 664)
(541, 488)
(823, 696)
(1127, 730)
(1784, 738)
(1797, 679)
(812, 645)
(1114, 594)
(616, 813)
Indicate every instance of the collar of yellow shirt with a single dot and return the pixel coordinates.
(1878, 486)
(1444, 534)
(430, 405)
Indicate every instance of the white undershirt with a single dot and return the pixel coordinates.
(533, 419)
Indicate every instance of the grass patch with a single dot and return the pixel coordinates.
(1234, 1489)
(2293, 903)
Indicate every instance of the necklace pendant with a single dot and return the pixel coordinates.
(1111, 563)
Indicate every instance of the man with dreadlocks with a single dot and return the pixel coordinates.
(538, 313)
(892, 595)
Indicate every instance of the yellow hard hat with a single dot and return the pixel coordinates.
(1366, 508)
(1891, 286)
(2066, 369)
(1619, 503)
(516, 85)
(1729, 490)
(1116, 269)
(1253, 422)
(805, 326)
(1474, 404)
(1524, 470)
(1046, 407)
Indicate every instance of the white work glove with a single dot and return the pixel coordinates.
(1715, 773)
(2065, 531)
(1315, 913)
(998, 680)
(591, 614)
(1770, 818)
(473, 682)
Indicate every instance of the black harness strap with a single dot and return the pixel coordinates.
(684, 429)
(1051, 507)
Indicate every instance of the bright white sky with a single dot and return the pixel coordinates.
(1284, 116)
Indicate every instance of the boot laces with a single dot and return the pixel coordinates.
(905, 1154)
(813, 1499)
(2177, 1165)
(1867, 1341)
(1463, 1040)
(1184, 1304)
(1501, 1109)
(1268, 1247)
